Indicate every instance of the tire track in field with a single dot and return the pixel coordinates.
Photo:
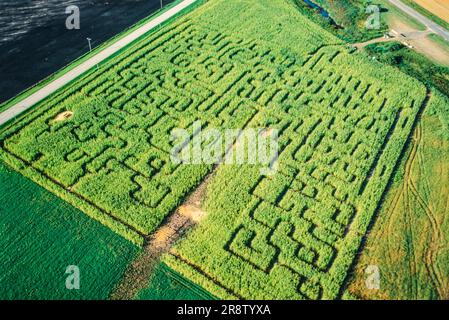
(382, 201)
(409, 206)
(433, 248)
(405, 195)
(424, 178)
(400, 197)
(390, 211)
(436, 237)
(410, 195)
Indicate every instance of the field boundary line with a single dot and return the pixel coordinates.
(176, 224)
(85, 66)
(92, 210)
(139, 272)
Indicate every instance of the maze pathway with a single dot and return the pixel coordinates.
(342, 121)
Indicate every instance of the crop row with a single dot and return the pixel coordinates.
(342, 123)
(111, 158)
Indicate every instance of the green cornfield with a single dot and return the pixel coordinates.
(343, 121)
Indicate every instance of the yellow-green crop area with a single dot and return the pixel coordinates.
(343, 123)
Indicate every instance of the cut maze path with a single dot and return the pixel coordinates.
(409, 240)
(290, 235)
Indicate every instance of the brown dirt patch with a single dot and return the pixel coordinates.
(137, 275)
(266, 133)
(401, 27)
(139, 272)
(192, 212)
(431, 49)
(64, 116)
(418, 39)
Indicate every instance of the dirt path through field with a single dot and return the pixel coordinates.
(440, 8)
(405, 196)
(401, 195)
(412, 196)
(185, 217)
(137, 275)
(402, 34)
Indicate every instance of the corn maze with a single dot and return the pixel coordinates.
(295, 234)
(342, 120)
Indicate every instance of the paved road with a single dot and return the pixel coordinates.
(28, 102)
(434, 27)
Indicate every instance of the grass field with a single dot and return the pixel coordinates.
(343, 123)
(165, 284)
(410, 240)
(42, 236)
(412, 63)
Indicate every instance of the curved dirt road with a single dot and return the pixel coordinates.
(85, 66)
